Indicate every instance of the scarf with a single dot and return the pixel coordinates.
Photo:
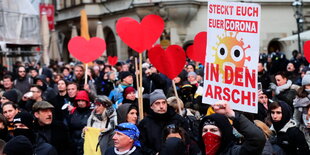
(212, 143)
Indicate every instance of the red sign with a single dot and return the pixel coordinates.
(49, 10)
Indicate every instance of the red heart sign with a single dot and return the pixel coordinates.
(169, 62)
(307, 50)
(198, 50)
(86, 50)
(140, 36)
(112, 60)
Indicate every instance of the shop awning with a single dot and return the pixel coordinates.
(304, 36)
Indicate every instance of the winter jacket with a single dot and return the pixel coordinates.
(152, 127)
(286, 92)
(55, 134)
(254, 139)
(77, 121)
(291, 139)
(106, 123)
(300, 105)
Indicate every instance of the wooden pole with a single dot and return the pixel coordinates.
(86, 70)
(140, 87)
(177, 96)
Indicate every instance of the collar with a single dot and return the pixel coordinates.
(291, 123)
(128, 152)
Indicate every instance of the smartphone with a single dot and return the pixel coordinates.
(259, 86)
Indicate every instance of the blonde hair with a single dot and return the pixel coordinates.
(172, 101)
(263, 127)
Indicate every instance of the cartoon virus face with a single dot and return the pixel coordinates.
(229, 51)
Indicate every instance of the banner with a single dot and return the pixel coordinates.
(232, 54)
(91, 141)
(49, 10)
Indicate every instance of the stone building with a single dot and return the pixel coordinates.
(183, 20)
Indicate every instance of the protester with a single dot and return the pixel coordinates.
(9, 110)
(103, 117)
(126, 140)
(4, 134)
(127, 113)
(18, 145)
(178, 142)
(116, 95)
(129, 96)
(263, 102)
(216, 133)
(50, 131)
(78, 120)
(284, 89)
(23, 82)
(288, 136)
(23, 125)
(152, 125)
(10, 95)
(268, 149)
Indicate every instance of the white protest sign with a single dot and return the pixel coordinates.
(232, 54)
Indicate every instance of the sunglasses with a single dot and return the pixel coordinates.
(120, 128)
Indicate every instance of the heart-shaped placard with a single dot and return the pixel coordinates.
(112, 60)
(140, 36)
(197, 51)
(169, 62)
(307, 50)
(86, 50)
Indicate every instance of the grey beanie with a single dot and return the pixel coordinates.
(156, 95)
(191, 74)
(306, 79)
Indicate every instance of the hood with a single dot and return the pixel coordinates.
(122, 112)
(82, 95)
(286, 115)
(225, 127)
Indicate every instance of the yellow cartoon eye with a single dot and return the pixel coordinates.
(222, 51)
(237, 53)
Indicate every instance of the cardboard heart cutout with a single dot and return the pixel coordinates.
(198, 51)
(140, 36)
(86, 50)
(170, 62)
(307, 50)
(112, 60)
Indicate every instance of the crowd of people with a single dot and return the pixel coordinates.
(47, 110)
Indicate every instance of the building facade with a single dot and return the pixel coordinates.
(183, 20)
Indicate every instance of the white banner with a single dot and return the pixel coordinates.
(232, 54)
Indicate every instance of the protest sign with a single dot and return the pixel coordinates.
(197, 51)
(91, 141)
(232, 54)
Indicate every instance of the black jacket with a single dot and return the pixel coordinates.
(254, 138)
(152, 127)
(55, 134)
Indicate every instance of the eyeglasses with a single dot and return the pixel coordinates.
(21, 71)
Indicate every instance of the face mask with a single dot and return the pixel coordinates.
(212, 143)
(308, 91)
